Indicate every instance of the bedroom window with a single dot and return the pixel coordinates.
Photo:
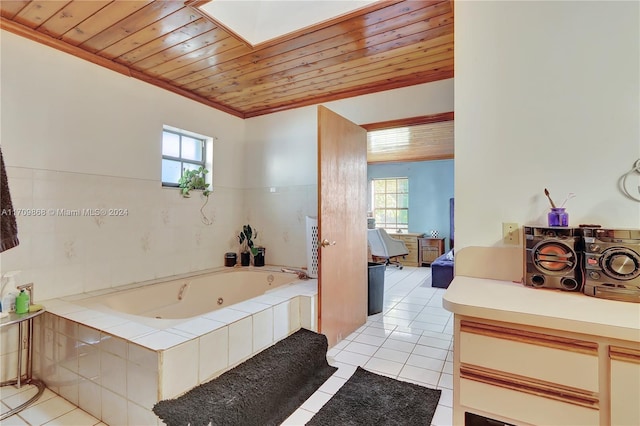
(182, 150)
(390, 201)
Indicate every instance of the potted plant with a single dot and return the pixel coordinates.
(248, 248)
(195, 179)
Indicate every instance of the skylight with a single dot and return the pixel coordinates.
(257, 21)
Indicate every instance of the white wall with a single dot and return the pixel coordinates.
(281, 175)
(282, 157)
(547, 94)
(76, 135)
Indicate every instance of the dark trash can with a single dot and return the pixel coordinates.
(376, 287)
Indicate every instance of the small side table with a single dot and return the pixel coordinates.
(429, 249)
(23, 321)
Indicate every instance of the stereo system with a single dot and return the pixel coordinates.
(599, 262)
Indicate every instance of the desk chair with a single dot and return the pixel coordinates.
(387, 248)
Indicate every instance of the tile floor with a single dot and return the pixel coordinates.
(411, 340)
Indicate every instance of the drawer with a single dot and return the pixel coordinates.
(568, 362)
(412, 246)
(524, 407)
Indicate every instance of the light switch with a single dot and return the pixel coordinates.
(510, 233)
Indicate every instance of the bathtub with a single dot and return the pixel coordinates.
(192, 296)
(116, 353)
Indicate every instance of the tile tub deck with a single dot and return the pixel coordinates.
(116, 367)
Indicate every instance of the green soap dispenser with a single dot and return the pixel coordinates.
(22, 302)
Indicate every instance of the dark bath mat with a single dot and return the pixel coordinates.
(371, 399)
(264, 390)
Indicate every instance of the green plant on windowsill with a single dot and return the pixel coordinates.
(194, 179)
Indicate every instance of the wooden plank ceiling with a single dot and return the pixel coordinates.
(386, 45)
(411, 139)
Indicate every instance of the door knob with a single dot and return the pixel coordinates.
(325, 243)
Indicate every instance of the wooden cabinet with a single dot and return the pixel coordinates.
(429, 249)
(527, 375)
(411, 241)
(526, 356)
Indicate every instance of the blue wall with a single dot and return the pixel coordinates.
(430, 188)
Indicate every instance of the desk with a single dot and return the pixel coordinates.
(411, 241)
(23, 321)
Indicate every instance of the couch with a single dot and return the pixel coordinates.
(442, 270)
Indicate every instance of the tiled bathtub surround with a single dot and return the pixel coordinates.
(146, 231)
(117, 368)
(9, 353)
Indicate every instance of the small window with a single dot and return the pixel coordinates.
(181, 151)
(390, 201)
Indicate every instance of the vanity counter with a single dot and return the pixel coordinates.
(532, 356)
(515, 303)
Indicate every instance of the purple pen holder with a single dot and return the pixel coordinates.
(558, 217)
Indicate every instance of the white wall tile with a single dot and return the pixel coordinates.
(88, 334)
(113, 371)
(114, 345)
(114, 408)
(90, 397)
(213, 353)
(141, 416)
(262, 329)
(68, 384)
(281, 320)
(142, 385)
(8, 339)
(68, 328)
(9, 366)
(67, 352)
(143, 356)
(294, 315)
(240, 340)
(308, 313)
(89, 358)
(179, 369)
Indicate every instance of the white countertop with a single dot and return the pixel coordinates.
(556, 309)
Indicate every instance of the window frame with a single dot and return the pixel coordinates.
(386, 225)
(181, 133)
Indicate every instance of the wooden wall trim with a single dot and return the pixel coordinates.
(425, 158)
(39, 37)
(412, 121)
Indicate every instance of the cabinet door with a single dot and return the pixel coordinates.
(429, 249)
(625, 386)
(429, 254)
